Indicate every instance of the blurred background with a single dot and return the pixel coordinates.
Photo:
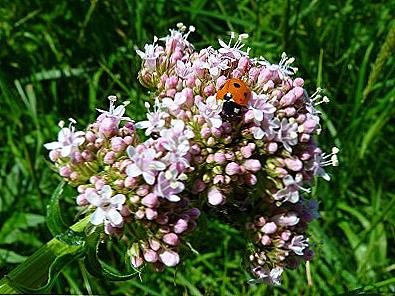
(61, 59)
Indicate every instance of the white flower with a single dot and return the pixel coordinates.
(150, 54)
(118, 112)
(155, 119)
(298, 244)
(144, 164)
(235, 49)
(68, 140)
(183, 70)
(259, 105)
(272, 278)
(210, 110)
(169, 184)
(176, 142)
(283, 68)
(108, 206)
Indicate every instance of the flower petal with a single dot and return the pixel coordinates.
(98, 217)
(133, 170)
(115, 217)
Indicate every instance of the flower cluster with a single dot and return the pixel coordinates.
(198, 159)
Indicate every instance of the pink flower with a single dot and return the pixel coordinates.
(144, 164)
(210, 110)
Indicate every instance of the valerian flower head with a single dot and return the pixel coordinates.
(251, 169)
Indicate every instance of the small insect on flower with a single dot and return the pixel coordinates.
(236, 95)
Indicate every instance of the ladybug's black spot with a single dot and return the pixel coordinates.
(245, 95)
(236, 85)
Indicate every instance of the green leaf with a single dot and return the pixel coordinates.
(56, 225)
(98, 268)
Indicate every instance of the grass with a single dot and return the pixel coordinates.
(62, 58)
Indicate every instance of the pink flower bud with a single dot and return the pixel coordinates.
(150, 255)
(220, 81)
(151, 214)
(54, 155)
(81, 200)
(87, 155)
(142, 190)
(128, 140)
(265, 240)
(216, 132)
(139, 214)
(199, 186)
(170, 239)
(218, 179)
(288, 99)
(180, 226)
(252, 165)
(119, 183)
(272, 147)
(243, 64)
(65, 171)
(205, 132)
(251, 179)
(209, 90)
(236, 74)
(109, 158)
(285, 235)
(169, 258)
(109, 126)
(211, 141)
(298, 82)
(90, 136)
(304, 138)
(293, 164)
(301, 118)
(150, 200)
(117, 144)
(136, 261)
(309, 126)
(99, 184)
(154, 244)
(290, 111)
(210, 158)
(130, 182)
(195, 149)
(219, 157)
(253, 75)
(232, 168)
(214, 196)
(269, 228)
(246, 151)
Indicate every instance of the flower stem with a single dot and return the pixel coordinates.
(32, 273)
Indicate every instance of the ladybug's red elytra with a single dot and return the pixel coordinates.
(236, 94)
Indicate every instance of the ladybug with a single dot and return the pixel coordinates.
(236, 94)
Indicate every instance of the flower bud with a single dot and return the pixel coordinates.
(81, 200)
(170, 239)
(232, 168)
(150, 200)
(54, 155)
(117, 144)
(65, 171)
(252, 165)
(90, 136)
(109, 158)
(150, 255)
(151, 214)
(109, 126)
(269, 228)
(169, 258)
(180, 226)
(214, 196)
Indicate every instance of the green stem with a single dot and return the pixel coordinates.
(35, 270)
